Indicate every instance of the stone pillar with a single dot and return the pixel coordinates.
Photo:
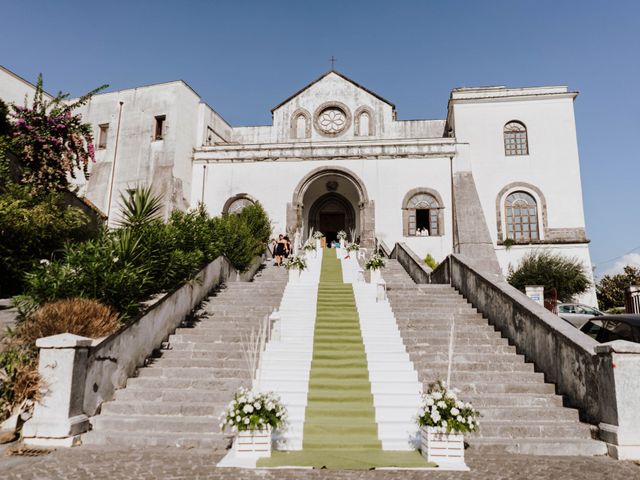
(58, 418)
(619, 398)
(368, 225)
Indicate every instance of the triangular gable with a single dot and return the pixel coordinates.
(344, 77)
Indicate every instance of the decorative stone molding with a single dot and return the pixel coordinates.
(366, 206)
(293, 132)
(405, 209)
(235, 198)
(342, 150)
(357, 119)
(334, 126)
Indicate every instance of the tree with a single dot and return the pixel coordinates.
(5, 125)
(611, 287)
(51, 141)
(542, 267)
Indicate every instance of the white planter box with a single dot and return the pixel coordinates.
(294, 275)
(375, 276)
(318, 244)
(442, 448)
(255, 443)
(342, 243)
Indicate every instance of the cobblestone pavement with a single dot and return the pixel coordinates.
(168, 463)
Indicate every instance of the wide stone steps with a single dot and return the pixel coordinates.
(518, 409)
(177, 399)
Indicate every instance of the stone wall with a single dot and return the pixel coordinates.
(415, 267)
(600, 380)
(114, 359)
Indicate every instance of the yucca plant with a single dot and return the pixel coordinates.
(139, 207)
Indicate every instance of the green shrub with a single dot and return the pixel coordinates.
(107, 269)
(234, 239)
(431, 262)
(259, 225)
(146, 256)
(542, 267)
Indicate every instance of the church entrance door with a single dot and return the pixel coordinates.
(331, 213)
(330, 224)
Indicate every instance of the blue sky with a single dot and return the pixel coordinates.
(244, 57)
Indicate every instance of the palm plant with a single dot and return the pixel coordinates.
(139, 207)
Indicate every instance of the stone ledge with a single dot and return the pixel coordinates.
(618, 346)
(64, 340)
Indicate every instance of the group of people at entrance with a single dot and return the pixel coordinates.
(280, 249)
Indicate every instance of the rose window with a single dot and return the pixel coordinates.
(332, 120)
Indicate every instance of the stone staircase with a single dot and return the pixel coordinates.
(176, 400)
(519, 410)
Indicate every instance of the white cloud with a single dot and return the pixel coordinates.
(632, 259)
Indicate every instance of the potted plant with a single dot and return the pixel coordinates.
(309, 247)
(351, 247)
(318, 238)
(342, 238)
(253, 417)
(374, 264)
(295, 265)
(443, 421)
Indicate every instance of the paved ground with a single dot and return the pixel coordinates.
(170, 463)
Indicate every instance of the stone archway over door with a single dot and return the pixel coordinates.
(363, 206)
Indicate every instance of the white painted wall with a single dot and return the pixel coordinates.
(387, 182)
(15, 89)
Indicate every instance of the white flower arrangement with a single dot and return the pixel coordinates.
(353, 247)
(295, 263)
(309, 247)
(442, 410)
(375, 262)
(318, 235)
(341, 235)
(249, 411)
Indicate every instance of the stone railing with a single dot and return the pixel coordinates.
(415, 267)
(601, 380)
(82, 373)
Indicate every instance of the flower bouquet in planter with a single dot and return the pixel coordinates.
(342, 238)
(253, 417)
(318, 236)
(374, 265)
(295, 265)
(351, 247)
(443, 421)
(310, 247)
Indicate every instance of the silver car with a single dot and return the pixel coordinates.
(577, 314)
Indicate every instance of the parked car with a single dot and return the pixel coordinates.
(577, 314)
(607, 328)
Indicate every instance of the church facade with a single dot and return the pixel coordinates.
(496, 178)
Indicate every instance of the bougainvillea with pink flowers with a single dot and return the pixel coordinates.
(52, 142)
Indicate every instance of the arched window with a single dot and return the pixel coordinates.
(237, 203)
(515, 139)
(301, 126)
(364, 124)
(521, 213)
(423, 214)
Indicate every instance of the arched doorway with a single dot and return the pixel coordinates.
(324, 197)
(331, 213)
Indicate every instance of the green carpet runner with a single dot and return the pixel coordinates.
(340, 429)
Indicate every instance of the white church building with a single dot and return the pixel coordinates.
(496, 178)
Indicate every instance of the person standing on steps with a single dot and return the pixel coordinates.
(281, 249)
(287, 251)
